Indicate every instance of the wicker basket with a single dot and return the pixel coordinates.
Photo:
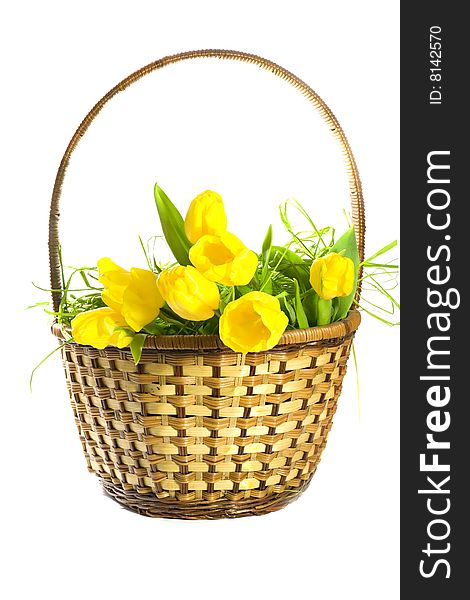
(197, 430)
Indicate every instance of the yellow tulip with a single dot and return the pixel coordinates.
(205, 216)
(97, 328)
(332, 276)
(134, 294)
(253, 323)
(188, 293)
(224, 258)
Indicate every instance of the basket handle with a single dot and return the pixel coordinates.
(355, 189)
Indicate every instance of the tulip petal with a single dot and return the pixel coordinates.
(141, 299)
(188, 293)
(332, 276)
(224, 259)
(97, 328)
(205, 216)
(133, 294)
(253, 323)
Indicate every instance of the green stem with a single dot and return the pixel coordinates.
(324, 311)
(44, 360)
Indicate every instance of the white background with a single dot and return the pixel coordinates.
(240, 131)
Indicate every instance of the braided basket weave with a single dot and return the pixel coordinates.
(197, 430)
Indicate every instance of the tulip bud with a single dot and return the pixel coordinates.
(134, 294)
(205, 216)
(332, 276)
(188, 293)
(224, 258)
(100, 328)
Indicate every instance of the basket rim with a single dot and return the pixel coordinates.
(333, 331)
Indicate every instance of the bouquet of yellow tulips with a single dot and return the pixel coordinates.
(219, 286)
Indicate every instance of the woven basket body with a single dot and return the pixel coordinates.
(196, 430)
(208, 433)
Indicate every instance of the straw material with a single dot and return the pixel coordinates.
(207, 433)
(196, 430)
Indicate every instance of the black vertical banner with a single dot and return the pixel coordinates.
(435, 334)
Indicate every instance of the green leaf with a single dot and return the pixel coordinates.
(289, 310)
(265, 254)
(268, 240)
(383, 250)
(268, 286)
(288, 255)
(310, 306)
(136, 346)
(290, 264)
(144, 250)
(286, 222)
(46, 303)
(242, 289)
(172, 226)
(384, 292)
(347, 246)
(299, 310)
(210, 326)
(44, 360)
(153, 328)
